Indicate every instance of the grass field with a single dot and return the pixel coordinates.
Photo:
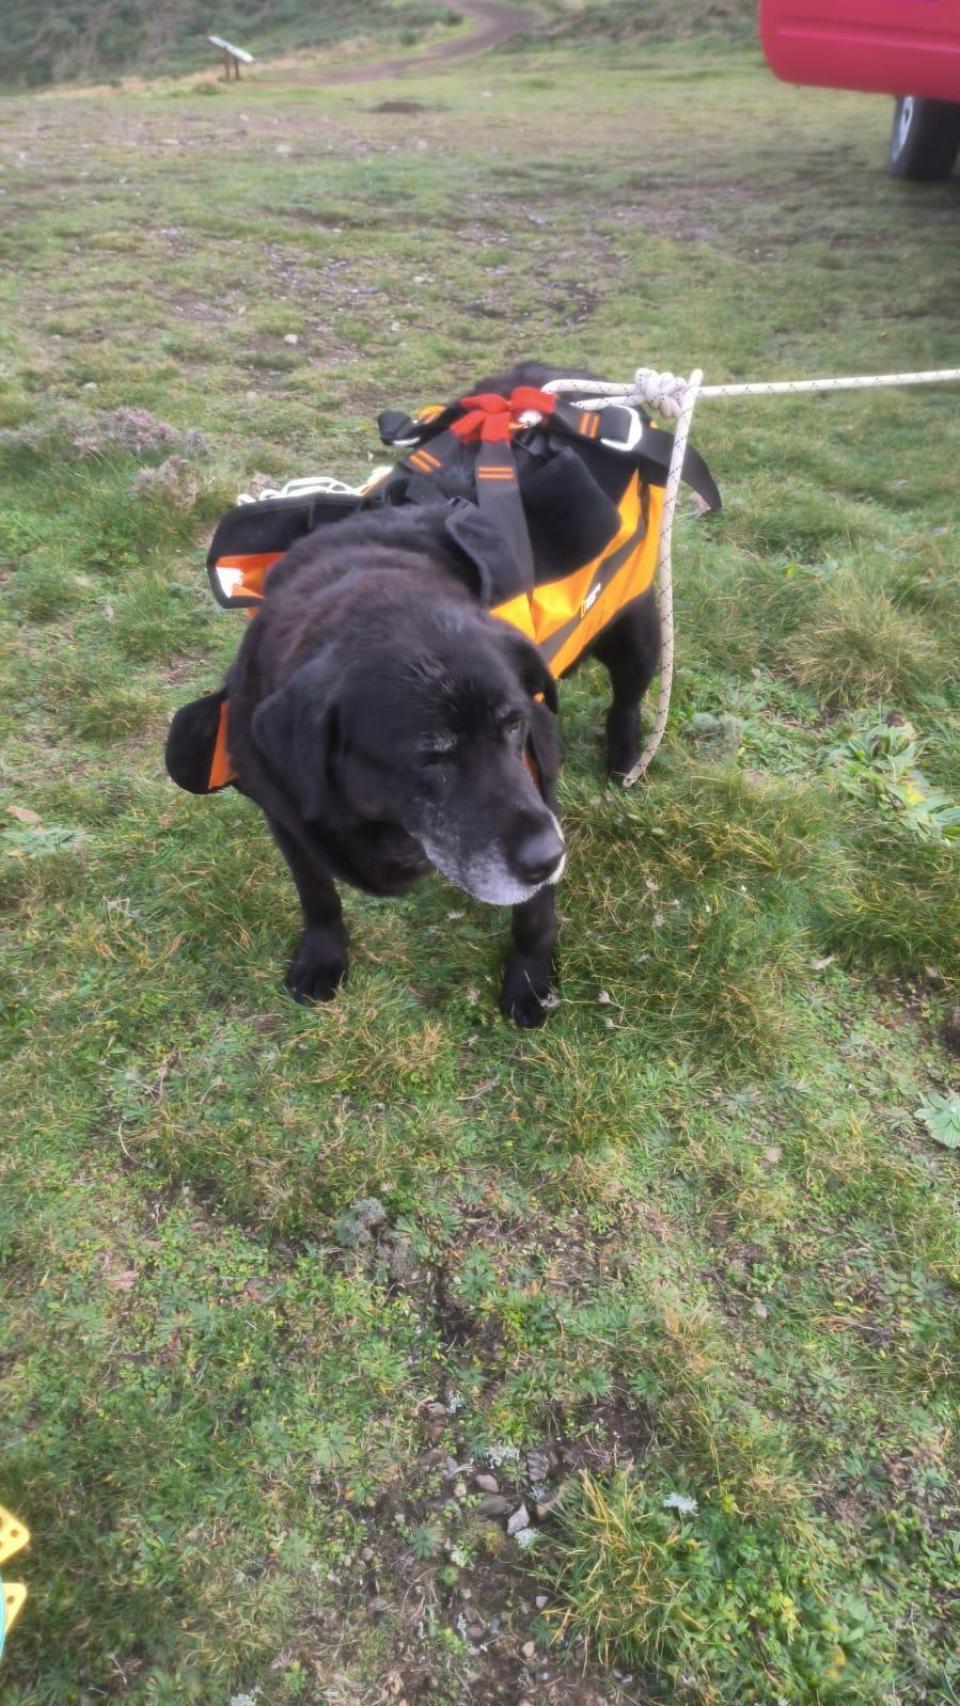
(678, 1273)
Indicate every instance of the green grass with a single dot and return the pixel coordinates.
(278, 1284)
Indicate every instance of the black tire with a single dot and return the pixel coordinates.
(925, 139)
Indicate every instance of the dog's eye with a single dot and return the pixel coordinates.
(511, 725)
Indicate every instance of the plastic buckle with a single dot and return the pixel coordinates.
(634, 431)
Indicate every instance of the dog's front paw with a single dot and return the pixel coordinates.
(527, 994)
(319, 965)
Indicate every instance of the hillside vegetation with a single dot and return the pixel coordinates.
(95, 40)
(653, 20)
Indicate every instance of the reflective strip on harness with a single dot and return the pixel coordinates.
(241, 577)
(221, 768)
(562, 617)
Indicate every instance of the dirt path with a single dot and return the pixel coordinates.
(494, 23)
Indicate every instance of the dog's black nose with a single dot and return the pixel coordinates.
(539, 854)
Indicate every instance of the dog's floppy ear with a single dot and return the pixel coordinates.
(530, 665)
(543, 749)
(295, 730)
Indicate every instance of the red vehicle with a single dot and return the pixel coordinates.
(887, 47)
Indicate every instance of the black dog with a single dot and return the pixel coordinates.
(386, 725)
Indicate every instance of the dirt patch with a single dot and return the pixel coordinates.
(454, 1538)
(613, 1432)
(400, 107)
(951, 1031)
(478, 1584)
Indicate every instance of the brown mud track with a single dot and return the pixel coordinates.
(495, 23)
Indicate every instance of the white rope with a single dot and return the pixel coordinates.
(664, 392)
(858, 382)
(665, 577)
(316, 485)
(675, 398)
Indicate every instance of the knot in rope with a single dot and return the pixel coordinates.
(664, 393)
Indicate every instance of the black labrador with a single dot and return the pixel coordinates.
(387, 726)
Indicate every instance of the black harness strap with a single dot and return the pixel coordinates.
(651, 454)
(654, 452)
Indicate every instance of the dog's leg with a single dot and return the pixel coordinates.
(630, 649)
(320, 962)
(528, 973)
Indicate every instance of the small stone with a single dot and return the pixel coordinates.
(760, 1310)
(540, 1601)
(91, 385)
(528, 1650)
(520, 1519)
(494, 1506)
(487, 1483)
(773, 1154)
(538, 1465)
(290, 338)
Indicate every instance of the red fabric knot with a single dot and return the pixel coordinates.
(491, 418)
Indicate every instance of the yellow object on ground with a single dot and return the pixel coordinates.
(14, 1535)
